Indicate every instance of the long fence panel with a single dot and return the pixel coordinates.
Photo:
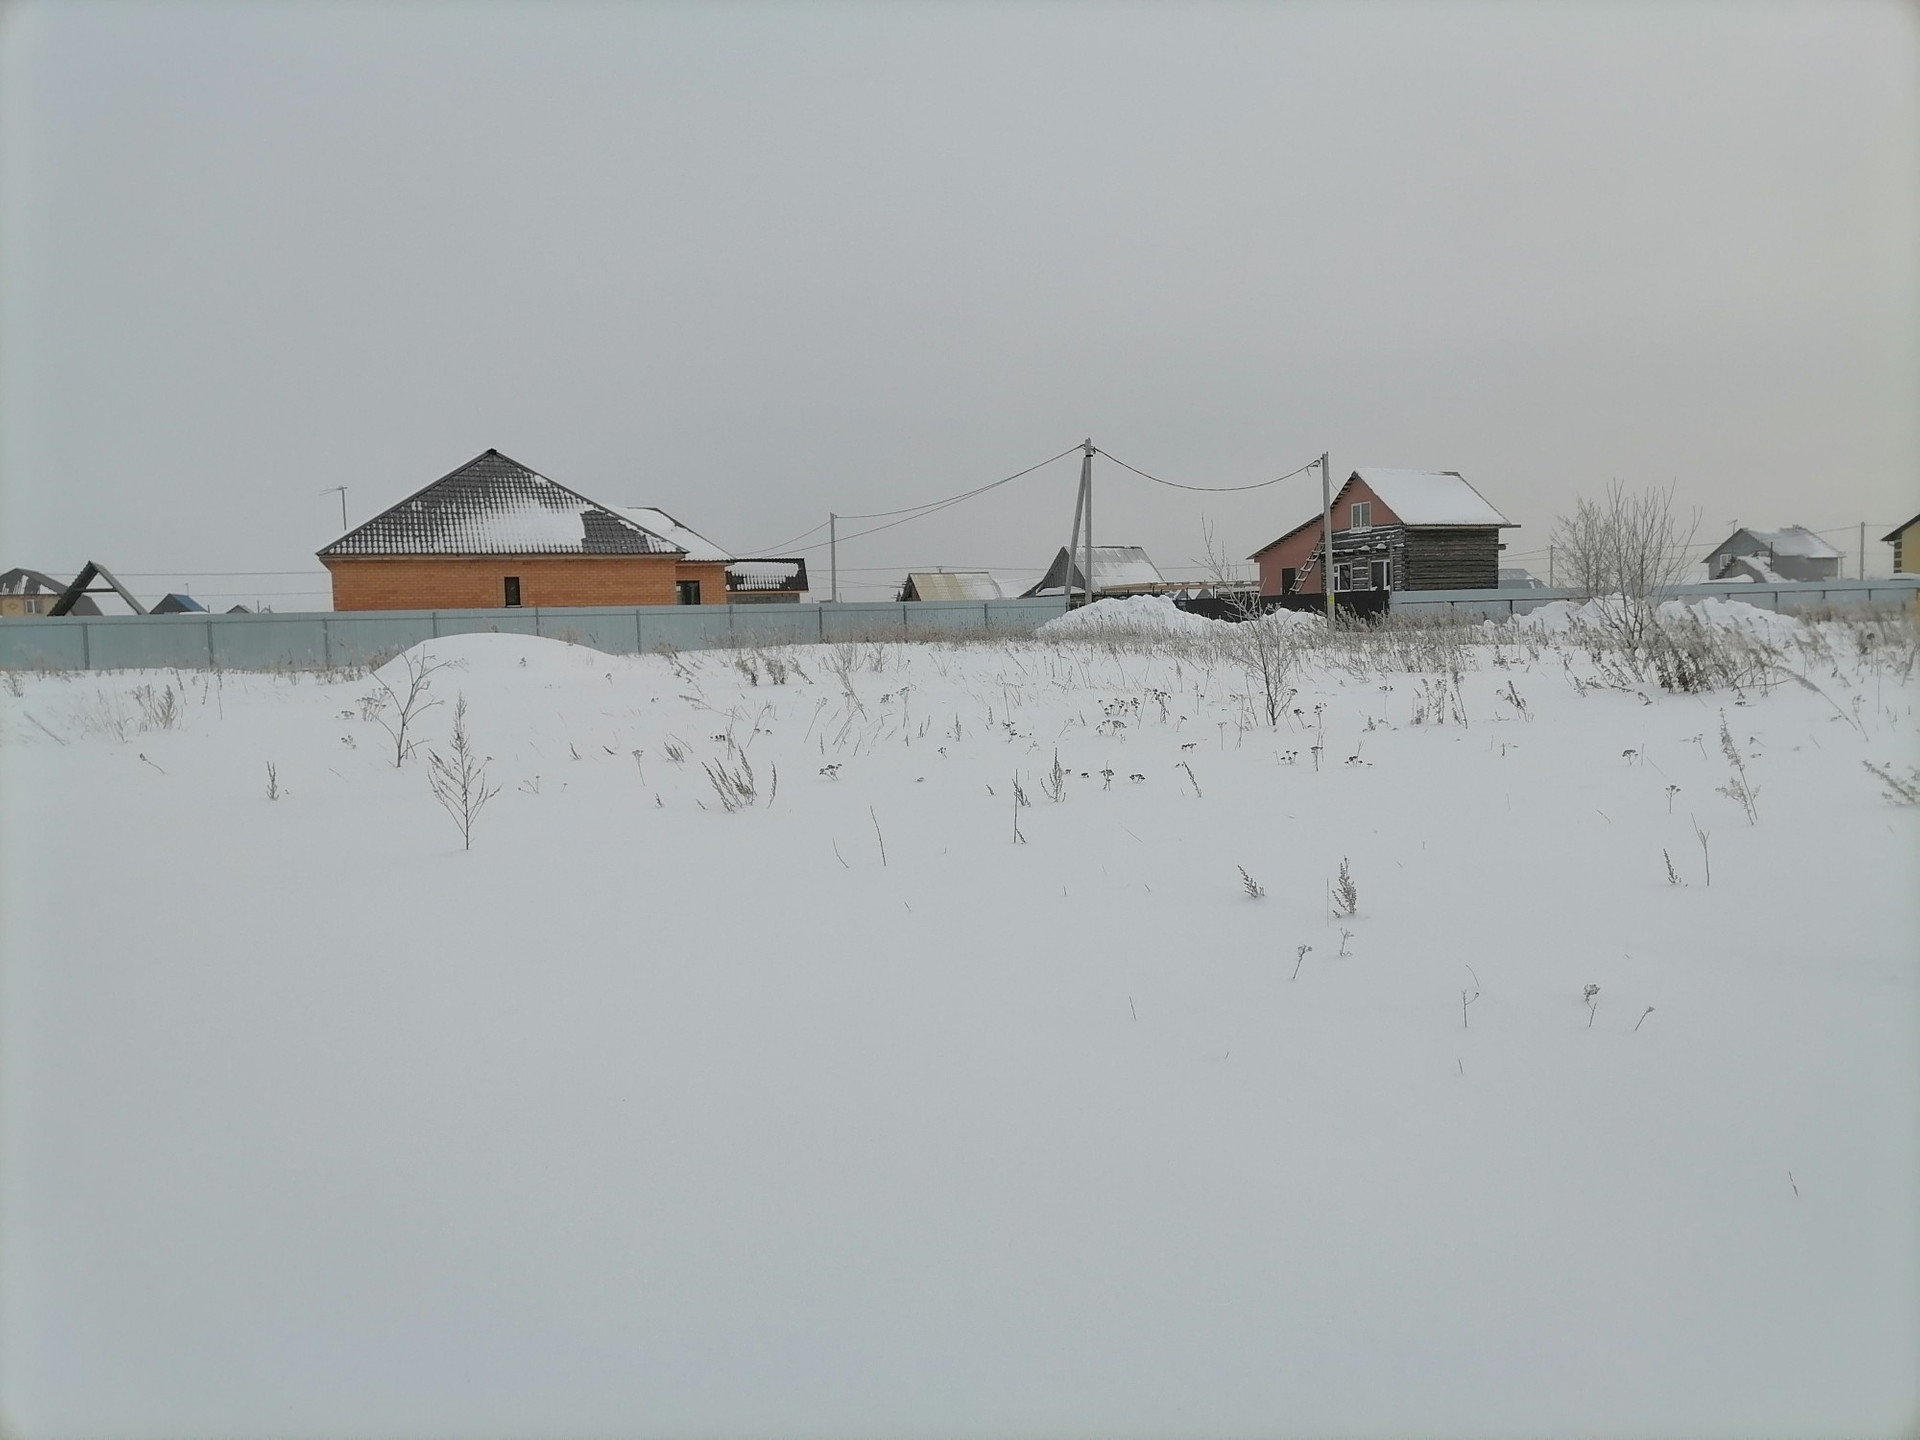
(364, 637)
(1785, 596)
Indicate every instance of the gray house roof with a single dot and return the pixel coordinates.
(22, 581)
(493, 505)
(1115, 567)
(1795, 540)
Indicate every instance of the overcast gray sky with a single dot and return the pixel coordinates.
(751, 263)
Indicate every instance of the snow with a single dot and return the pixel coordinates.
(1431, 497)
(699, 549)
(1563, 616)
(845, 1114)
(1796, 540)
(526, 526)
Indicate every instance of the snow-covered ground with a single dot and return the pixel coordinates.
(881, 1105)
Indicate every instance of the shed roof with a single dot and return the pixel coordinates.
(493, 505)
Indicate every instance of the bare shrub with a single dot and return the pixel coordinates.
(395, 710)
(1346, 894)
(1623, 549)
(459, 778)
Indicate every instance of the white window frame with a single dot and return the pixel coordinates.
(1360, 515)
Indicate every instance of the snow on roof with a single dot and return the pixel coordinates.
(697, 546)
(1795, 540)
(493, 505)
(1431, 497)
(954, 585)
(1115, 567)
(766, 569)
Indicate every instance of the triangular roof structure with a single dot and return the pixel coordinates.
(1115, 567)
(175, 603)
(1899, 530)
(1794, 540)
(494, 505)
(1421, 499)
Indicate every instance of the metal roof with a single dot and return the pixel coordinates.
(493, 505)
(1115, 567)
(952, 585)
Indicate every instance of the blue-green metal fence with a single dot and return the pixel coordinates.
(319, 641)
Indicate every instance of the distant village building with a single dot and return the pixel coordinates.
(1117, 570)
(1905, 540)
(1392, 530)
(1772, 556)
(951, 585)
(28, 592)
(494, 533)
(767, 582)
(176, 604)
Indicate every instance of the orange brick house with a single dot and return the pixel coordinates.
(495, 534)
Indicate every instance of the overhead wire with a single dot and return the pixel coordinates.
(1208, 489)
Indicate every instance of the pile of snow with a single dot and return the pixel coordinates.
(1151, 615)
(1560, 616)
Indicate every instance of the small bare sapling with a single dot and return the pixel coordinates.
(1738, 788)
(1346, 895)
(1300, 953)
(396, 709)
(459, 778)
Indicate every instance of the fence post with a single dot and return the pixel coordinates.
(86, 646)
(210, 661)
(326, 643)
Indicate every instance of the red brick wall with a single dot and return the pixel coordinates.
(1293, 552)
(476, 582)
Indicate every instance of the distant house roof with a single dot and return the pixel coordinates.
(176, 604)
(1431, 497)
(1752, 567)
(952, 585)
(1795, 540)
(698, 547)
(493, 505)
(1899, 530)
(1518, 578)
(751, 575)
(1420, 498)
(32, 582)
(1115, 567)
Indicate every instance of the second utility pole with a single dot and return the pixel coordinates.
(1326, 532)
(1086, 483)
(833, 551)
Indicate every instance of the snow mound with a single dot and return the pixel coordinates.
(1561, 616)
(526, 656)
(1152, 615)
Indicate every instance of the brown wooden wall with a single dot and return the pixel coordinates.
(1463, 559)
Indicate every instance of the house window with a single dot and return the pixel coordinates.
(1343, 576)
(1360, 515)
(513, 590)
(1382, 574)
(689, 592)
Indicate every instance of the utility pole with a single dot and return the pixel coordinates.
(1073, 540)
(1863, 550)
(1086, 480)
(1326, 531)
(833, 553)
(1549, 567)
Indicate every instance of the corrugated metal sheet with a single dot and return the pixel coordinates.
(952, 585)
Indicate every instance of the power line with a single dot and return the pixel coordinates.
(1207, 489)
(933, 505)
(766, 549)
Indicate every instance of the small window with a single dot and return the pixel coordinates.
(1360, 515)
(689, 592)
(1382, 575)
(513, 590)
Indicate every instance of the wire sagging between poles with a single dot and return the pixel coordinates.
(1207, 489)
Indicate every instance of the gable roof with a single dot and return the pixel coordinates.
(1420, 498)
(494, 505)
(952, 585)
(174, 603)
(1795, 540)
(22, 581)
(1431, 497)
(1115, 567)
(1899, 530)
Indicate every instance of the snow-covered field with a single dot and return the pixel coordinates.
(883, 1105)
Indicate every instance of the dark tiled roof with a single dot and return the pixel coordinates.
(496, 506)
